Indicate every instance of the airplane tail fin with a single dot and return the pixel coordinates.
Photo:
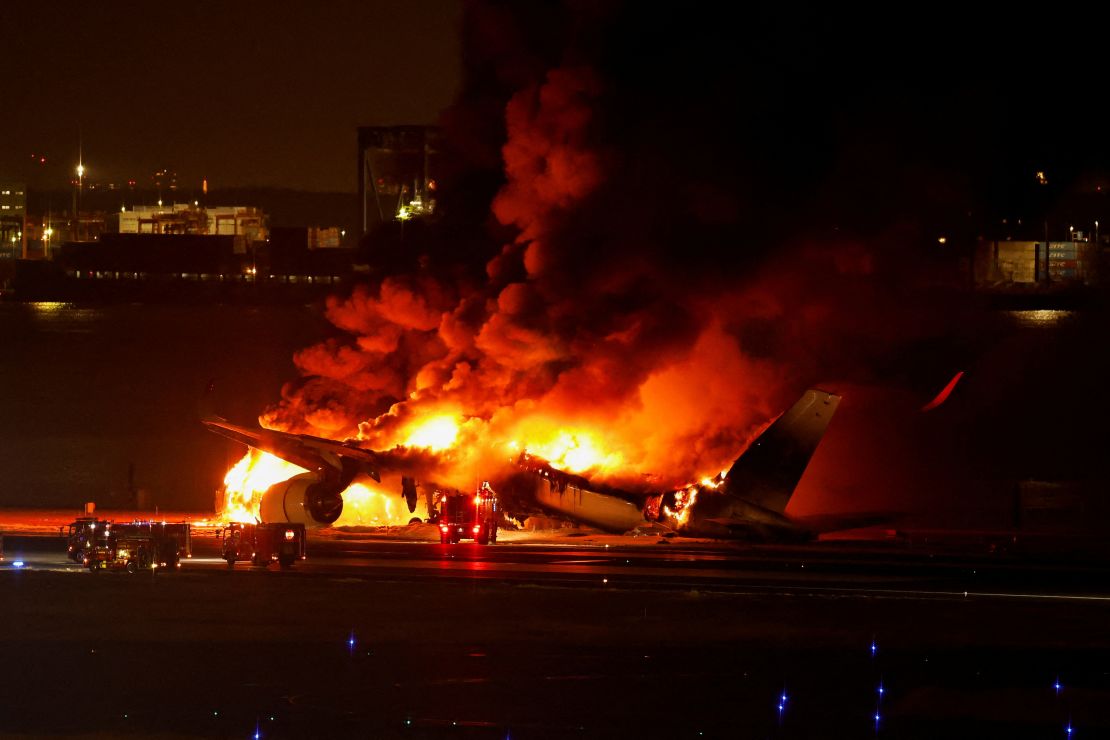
(769, 470)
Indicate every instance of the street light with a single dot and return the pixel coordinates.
(77, 198)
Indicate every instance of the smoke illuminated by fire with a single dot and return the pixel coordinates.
(620, 319)
(585, 357)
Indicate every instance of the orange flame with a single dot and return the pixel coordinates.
(364, 505)
(436, 434)
(248, 479)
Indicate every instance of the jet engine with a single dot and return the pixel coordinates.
(303, 499)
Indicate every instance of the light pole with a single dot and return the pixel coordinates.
(77, 199)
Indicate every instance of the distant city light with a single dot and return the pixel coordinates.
(80, 170)
(942, 240)
(1041, 178)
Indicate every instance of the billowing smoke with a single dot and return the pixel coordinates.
(644, 307)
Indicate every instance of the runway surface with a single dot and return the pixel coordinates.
(868, 569)
(378, 637)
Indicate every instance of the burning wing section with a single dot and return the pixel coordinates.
(748, 501)
(313, 498)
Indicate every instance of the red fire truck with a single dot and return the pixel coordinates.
(135, 546)
(262, 544)
(463, 517)
(80, 536)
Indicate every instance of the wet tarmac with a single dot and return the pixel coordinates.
(372, 638)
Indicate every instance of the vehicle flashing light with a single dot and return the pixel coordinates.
(288, 534)
(17, 563)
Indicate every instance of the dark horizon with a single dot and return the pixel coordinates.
(241, 94)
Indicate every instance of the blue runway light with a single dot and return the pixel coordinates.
(351, 642)
(1058, 686)
(881, 690)
(1068, 729)
(874, 647)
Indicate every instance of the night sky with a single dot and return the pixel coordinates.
(835, 106)
(243, 93)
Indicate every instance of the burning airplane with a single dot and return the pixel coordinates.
(305, 476)
(304, 479)
(748, 500)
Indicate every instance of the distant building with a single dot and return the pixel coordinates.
(245, 224)
(13, 218)
(397, 168)
(1031, 262)
(165, 181)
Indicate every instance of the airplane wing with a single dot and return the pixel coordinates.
(312, 453)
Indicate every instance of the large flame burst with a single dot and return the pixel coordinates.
(248, 479)
(367, 503)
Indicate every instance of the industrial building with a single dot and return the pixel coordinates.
(397, 168)
(13, 220)
(1017, 263)
(246, 225)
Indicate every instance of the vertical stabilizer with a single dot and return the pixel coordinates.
(769, 470)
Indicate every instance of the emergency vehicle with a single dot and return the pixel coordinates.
(80, 534)
(463, 517)
(262, 544)
(138, 545)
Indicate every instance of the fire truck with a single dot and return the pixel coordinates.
(136, 546)
(80, 535)
(463, 517)
(262, 544)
